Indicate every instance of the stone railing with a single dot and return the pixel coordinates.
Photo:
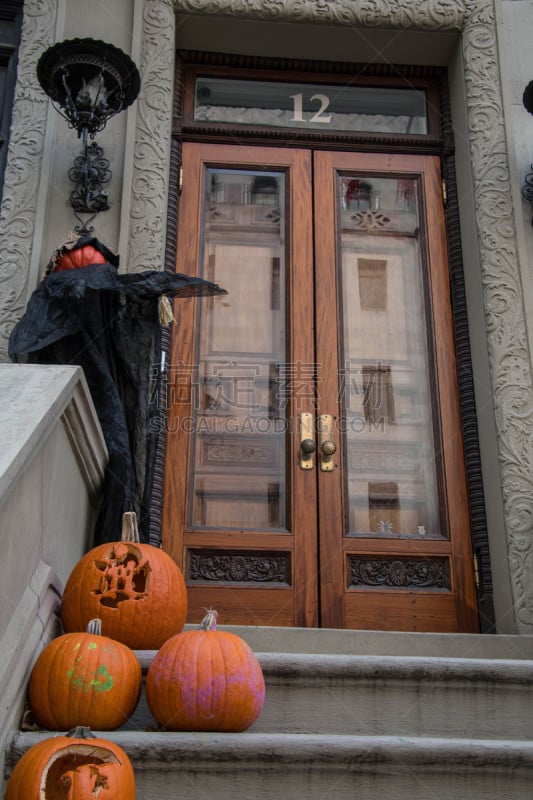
(52, 463)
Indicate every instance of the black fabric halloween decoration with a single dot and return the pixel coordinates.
(109, 324)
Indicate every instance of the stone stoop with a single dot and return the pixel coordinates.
(267, 766)
(387, 696)
(354, 726)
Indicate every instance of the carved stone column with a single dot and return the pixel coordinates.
(152, 140)
(23, 168)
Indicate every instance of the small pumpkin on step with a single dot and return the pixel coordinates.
(205, 680)
(84, 679)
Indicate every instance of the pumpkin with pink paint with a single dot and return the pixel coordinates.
(205, 680)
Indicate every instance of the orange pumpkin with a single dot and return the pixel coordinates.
(205, 680)
(136, 589)
(84, 679)
(78, 766)
(79, 257)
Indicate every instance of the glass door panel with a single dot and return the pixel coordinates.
(239, 471)
(390, 447)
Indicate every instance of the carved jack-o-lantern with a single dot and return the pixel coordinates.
(78, 766)
(91, 781)
(136, 589)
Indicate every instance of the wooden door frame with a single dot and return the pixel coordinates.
(442, 145)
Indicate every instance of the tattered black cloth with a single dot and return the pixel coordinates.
(109, 324)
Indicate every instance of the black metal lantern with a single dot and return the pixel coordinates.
(88, 81)
(527, 188)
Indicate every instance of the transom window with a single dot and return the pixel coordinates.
(378, 109)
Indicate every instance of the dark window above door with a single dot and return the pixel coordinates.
(338, 103)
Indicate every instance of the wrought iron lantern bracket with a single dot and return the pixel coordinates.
(88, 82)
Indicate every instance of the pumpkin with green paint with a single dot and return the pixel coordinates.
(84, 679)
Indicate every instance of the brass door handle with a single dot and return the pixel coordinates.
(327, 446)
(308, 446)
(328, 449)
(307, 442)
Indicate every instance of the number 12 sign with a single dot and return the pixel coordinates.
(319, 116)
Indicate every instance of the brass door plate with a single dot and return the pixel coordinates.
(307, 441)
(327, 446)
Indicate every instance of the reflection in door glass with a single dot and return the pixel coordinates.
(240, 417)
(390, 446)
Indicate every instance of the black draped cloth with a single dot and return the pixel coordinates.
(109, 324)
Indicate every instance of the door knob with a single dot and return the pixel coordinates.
(307, 443)
(327, 446)
(308, 446)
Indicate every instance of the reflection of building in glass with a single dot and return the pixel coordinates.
(385, 332)
(383, 507)
(378, 397)
(372, 283)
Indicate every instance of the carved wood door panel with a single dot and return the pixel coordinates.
(335, 333)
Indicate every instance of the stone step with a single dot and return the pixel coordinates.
(388, 717)
(385, 643)
(314, 767)
(387, 695)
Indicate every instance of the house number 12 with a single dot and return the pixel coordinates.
(318, 116)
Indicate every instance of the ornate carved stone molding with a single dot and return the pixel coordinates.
(509, 357)
(152, 140)
(399, 14)
(23, 168)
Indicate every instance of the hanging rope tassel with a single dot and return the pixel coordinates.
(165, 311)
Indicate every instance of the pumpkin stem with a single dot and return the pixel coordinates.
(130, 529)
(209, 622)
(94, 626)
(81, 732)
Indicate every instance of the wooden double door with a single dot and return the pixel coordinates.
(314, 468)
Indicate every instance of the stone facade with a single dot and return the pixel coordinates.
(474, 38)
